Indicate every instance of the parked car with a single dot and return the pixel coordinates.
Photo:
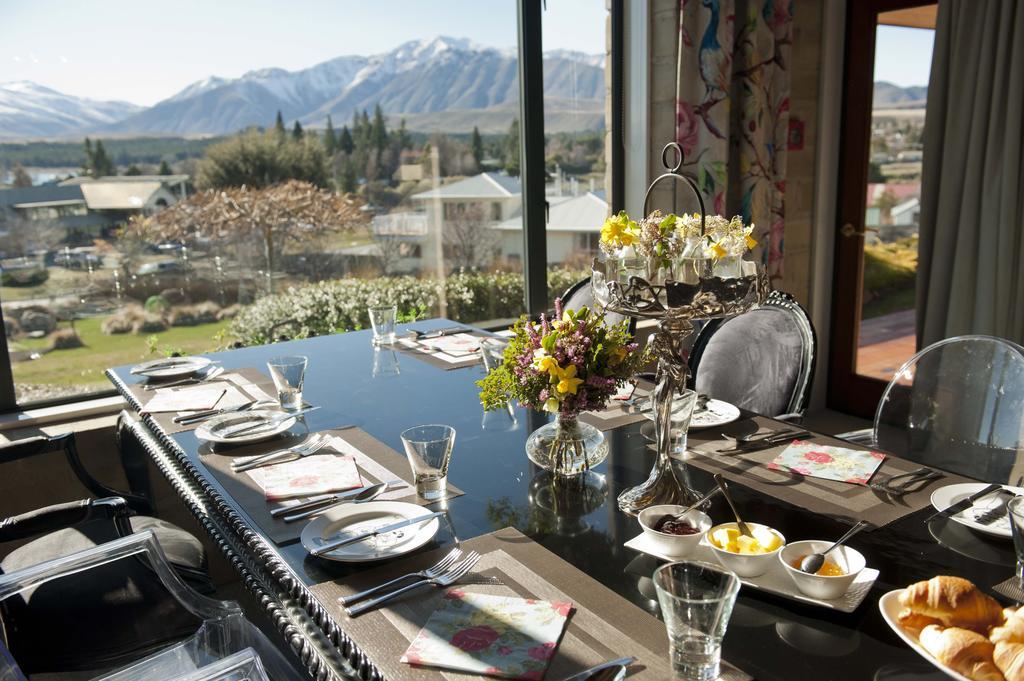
(161, 267)
(78, 259)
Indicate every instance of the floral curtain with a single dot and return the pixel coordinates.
(732, 110)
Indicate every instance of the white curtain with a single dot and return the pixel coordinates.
(971, 260)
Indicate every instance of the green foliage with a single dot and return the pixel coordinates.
(297, 132)
(477, 145)
(150, 150)
(329, 306)
(330, 139)
(21, 177)
(97, 163)
(259, 160)
(24, 278)
(157, 305)
(279, 124)
(165, 169)
(890, 275)
(133, 170)
(345, 143)
(511, 151)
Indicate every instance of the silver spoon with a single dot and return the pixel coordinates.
(740, 525)
(813, 562)
(367, 494)
(682, 514)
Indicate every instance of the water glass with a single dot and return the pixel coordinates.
(696, 602)
(288, 373)
(382, 319)
(682, 411)
(385, 362)
(429, 449)
(1015, 511)
(492, 352)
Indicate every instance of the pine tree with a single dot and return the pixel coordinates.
(345, 142)
(297, 132)
(87, 166)
(164, 169)
(21, 177)
(101, 163)
(133, 170)
(330, 141)
(512, 149)
(380, 131)
(279, 124)
(404, 140)
(347, 177)
(477, 145)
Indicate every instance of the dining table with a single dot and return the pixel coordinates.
(382, 390)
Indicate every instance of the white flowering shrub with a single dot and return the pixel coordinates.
(341, 305)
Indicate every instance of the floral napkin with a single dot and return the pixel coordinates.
(514, 638)
(311, 475)
(831, 463)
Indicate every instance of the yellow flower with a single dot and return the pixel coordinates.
(567, 381)
(718, 251)
(617, 355)
(618, 230)
(551, 404)
(750, 241)
(547, 364)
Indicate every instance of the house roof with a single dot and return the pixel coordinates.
(584, 213)
(47, 194)
(909, 204)
(482, 186)
(165, 179)
(118, 195)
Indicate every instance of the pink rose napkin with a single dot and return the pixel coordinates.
(831, 463)
(308, 476)
(514, 638)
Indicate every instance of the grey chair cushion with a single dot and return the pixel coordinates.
(584, 297)
(106, 616)
(753, 361)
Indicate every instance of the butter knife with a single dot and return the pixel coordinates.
(210, 413)
(964, 504)
(326, 499)
(588, 673)
(764, 443)
(345, 541)
(269, 424)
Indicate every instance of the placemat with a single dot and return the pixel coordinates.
(409, 346)
(841, 501)
(1010, 588)
(619, 413)
(251, 382)
(377, 463)
(602, 626)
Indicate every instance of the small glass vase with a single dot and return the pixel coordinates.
(567, 446)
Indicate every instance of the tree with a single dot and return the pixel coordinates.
(164, 169)
(345, 142)
(290, 212)
(348, 178)
(885, 202)
(21, 177)
(100, 164)
(87, 166)
(379, 139)
(469, 243)
(297, 132)
(512, 143)
(477, 144)
(133, 170)
(402, 137)
(257, 160)
(279, 124)
(330, 141)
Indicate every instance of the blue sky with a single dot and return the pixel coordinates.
(903, 55)
(143, 51)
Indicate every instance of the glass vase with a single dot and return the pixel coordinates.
(567, 446)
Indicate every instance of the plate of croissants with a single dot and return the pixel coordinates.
(958, 628)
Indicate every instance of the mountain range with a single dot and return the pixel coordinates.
(890, 96)
(446, 84)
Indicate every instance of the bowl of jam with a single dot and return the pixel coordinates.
(671, 535)
(842, 565)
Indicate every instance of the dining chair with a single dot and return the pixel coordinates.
(83, 610)
(957, 405)
(581, 294)
(217, 641)
(761, 360)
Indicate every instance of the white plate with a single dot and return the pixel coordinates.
(352, 519)
(208, 431)
(944, 497)
(717, 413)
(775, 580)
(890, 606)
(189, 365)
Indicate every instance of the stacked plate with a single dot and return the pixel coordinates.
(224, 429)
(171, 367)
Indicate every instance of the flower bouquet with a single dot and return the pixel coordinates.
(568, 365)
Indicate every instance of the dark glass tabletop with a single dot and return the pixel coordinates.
(769, 637)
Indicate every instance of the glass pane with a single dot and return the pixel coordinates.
(892, 205)
(575, 54)
(111, 251)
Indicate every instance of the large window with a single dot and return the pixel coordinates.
(264, 178)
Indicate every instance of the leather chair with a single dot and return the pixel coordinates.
(82, 610)
(581, 294)
(761, 360)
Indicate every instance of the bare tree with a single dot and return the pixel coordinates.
(470, 242)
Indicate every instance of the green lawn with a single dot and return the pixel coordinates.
(61, 282)
(84, 366)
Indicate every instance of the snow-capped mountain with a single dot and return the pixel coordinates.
(417, 80)
(31, 110)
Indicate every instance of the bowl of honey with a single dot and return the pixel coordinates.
(842, 565)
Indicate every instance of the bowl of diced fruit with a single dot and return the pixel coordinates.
(747, 556)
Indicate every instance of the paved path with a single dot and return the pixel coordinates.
(885, 343)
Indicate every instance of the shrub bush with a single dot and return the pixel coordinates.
(149, 323)
(123, 321)
(66, 339)
(24, 278)
(157, 305)
(340, 305)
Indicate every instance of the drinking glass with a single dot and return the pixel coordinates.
(1015, 511)
(383, 321)
(682, 411)
(696, 602)
(385, 362)
(429, 449)
(288, 373)
(492, 352)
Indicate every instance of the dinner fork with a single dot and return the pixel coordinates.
(435, 570)
(913, 481)
(310, 446)
(447, 579)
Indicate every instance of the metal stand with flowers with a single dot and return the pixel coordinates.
(566, 365)
(675, 269)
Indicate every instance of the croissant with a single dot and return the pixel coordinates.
(955, 602)
(963, 651)
(1009, 657)
(915, 622)
(1011, 631)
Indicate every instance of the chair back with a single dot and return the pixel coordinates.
(761, 360)
(581, 294)
(958, 405)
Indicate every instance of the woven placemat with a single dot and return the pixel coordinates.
(618, 414)
(408, 346)
(602, 626)
(1010, 588)
(376, 461)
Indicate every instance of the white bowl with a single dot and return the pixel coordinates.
(849, 560)
(746, 565)
(675, 545)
